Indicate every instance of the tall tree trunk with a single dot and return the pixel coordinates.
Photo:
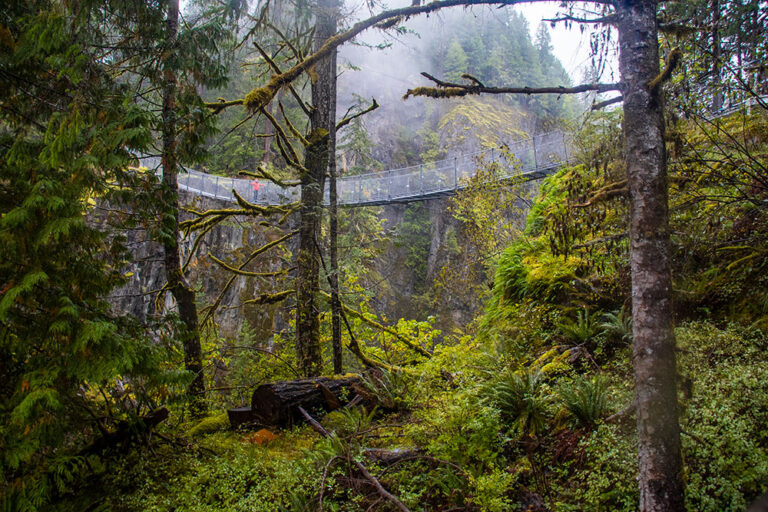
(312, 187)
(177, 284)
(267, 157)
(717, 98)
(658, 431)
(334, 233)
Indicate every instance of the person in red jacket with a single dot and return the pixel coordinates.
(256, 186)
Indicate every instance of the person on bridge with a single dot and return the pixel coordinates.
(256, 186)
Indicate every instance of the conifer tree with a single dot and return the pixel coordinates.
(68, 133)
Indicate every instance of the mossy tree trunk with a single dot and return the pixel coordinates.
(334, 235)
(658, 431)
(177, 284)
(312, 186)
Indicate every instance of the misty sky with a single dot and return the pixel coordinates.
(571, 46)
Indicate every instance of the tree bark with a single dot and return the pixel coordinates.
(338, 368)
(717, 98)
(312, 187)
(177, 284)
(658, 431)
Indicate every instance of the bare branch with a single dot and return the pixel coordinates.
(373, 323)
(344, 122)
(270, 298)
(603, 104)
(673, 59)
(359, 465)
(450, 89)
(611, 18)
(262, 173)
(275, 68)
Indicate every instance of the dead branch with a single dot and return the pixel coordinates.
(262, 173)
(603, 104)
(451, 90)
(611, 18)
(261, 96)
(359, 465)
(344, 122)
(673, 59)
(354, 346)
(273, 65)
(210, 310)
(270, 298)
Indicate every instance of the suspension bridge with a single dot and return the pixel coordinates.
(527, 159)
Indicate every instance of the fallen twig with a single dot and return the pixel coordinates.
(376, 484)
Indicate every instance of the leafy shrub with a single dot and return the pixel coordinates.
(244, 478)
(461, 427)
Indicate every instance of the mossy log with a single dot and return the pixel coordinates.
(277, 403)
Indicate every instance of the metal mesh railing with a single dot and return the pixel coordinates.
(528, 156)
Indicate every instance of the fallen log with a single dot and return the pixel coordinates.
(277, 403)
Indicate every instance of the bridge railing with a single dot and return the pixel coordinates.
(433, 178)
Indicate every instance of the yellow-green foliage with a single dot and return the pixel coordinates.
(210, 424)
(489, 120)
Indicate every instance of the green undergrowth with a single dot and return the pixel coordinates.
(497, 432)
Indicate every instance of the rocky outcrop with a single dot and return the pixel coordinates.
(230, 241)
